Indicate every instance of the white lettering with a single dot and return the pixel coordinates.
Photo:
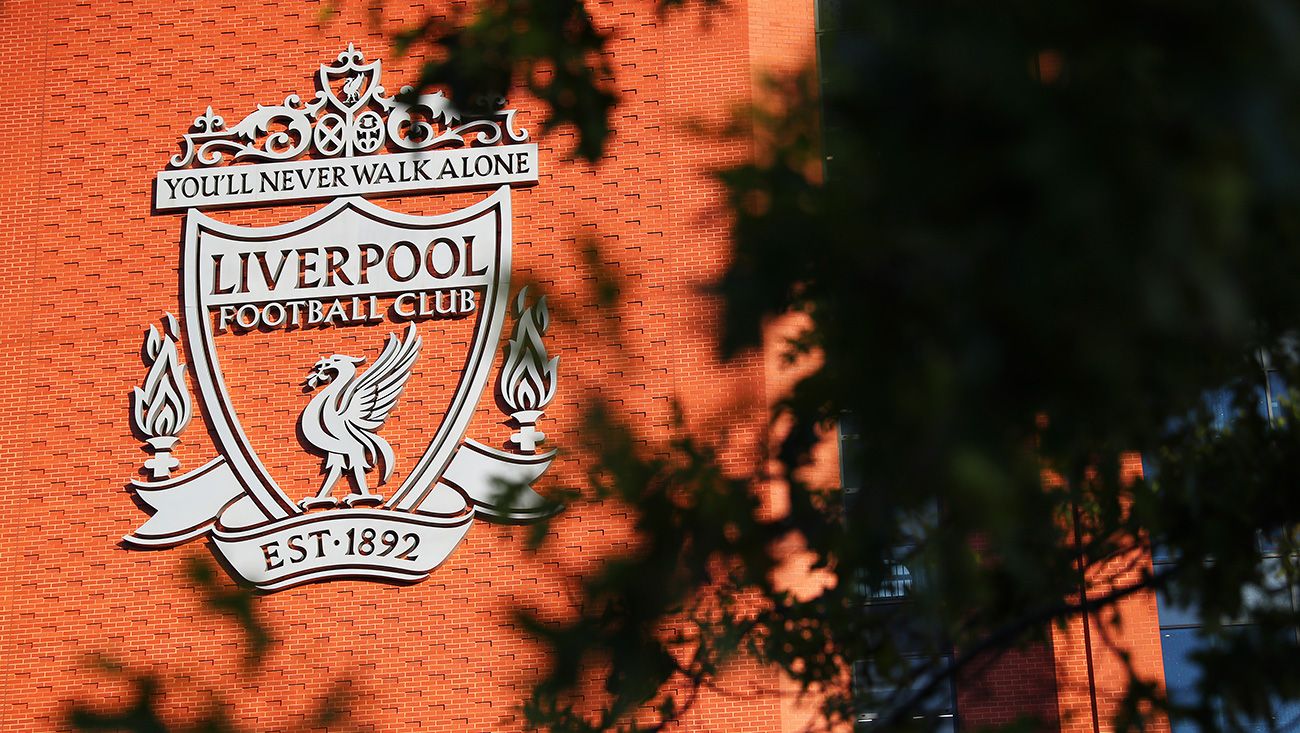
(399, 310)
(261, 183)
(224, 316)
(247, 316)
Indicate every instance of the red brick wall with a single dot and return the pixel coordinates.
(1019, 684)
(100, 94)
(1094, 668)
(1091, 671)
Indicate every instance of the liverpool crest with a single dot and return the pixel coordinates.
(340, 359)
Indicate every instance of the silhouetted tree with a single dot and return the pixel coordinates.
(1037, 241)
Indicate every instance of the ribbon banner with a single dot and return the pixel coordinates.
(380, 175)
(364, 543)
(357, 543)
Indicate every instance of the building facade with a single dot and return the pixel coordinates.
(102, 95)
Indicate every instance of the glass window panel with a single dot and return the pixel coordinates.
(1268, 542)
(1179, 626)
(1182, 675)
(850, 427)
(1286, 714)
(829, 13)
(1256, 726)
(1160, 554)
(851, 465)
(897, 584)
(1219, 403)
(914, 527)
(946, 724)
(1273, 593)
(899, 625)
(1264, 404)
(938, 708)
(1285, 717)
(1173, 616)
(1150, 469)
(909, 633)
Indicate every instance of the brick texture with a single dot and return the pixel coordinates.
(103, 92)
(1092, 671)
(99, 94)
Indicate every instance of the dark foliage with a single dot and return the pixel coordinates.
(1034, 241)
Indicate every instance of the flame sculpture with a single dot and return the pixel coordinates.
(527, 379)
(162, 409)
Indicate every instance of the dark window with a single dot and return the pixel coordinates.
(938, 710)
(1182, 674)
(917, 641)
(1181, 633)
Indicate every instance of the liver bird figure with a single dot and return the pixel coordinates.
(342, 420)
(352, 89)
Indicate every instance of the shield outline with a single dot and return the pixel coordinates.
(231, 441)
(372, 71)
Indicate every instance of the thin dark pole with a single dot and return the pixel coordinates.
(1087, 622)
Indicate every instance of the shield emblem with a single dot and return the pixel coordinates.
(350, 83)
(339, 360)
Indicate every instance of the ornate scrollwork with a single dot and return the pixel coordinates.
(415, 126)
(351, 114)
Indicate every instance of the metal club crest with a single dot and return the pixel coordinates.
(353, 305)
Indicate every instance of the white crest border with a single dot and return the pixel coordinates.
(218, 411)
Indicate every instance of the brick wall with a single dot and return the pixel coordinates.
(98, 96)
(101, 93)
(1092, 663)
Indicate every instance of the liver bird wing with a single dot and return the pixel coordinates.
(375, 393)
